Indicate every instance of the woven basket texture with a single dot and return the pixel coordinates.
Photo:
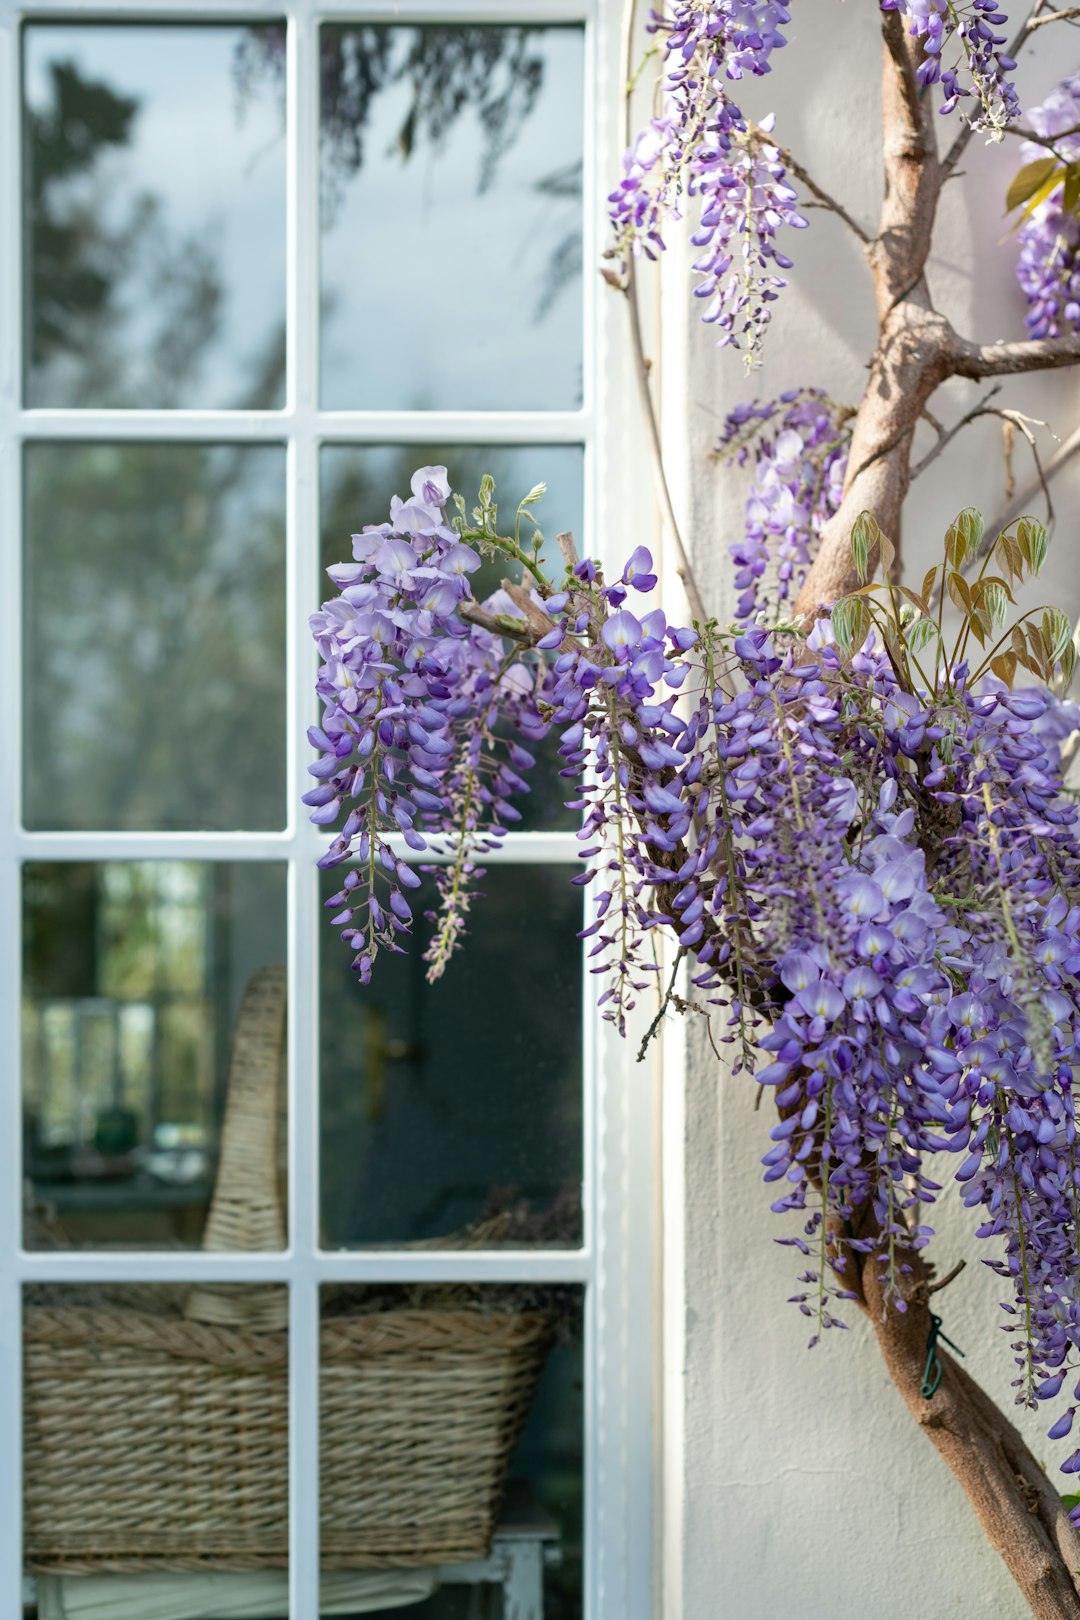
(158, 1440)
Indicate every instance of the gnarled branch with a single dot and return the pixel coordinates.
(978, 360)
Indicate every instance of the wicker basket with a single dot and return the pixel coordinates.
(159, 1441)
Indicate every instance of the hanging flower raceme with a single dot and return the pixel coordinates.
(414, 697)
(1048, 268)
(982, 64)
(702, 147)
(861, 845)
(798, 448)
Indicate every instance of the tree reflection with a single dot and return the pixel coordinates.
(495, 73)
(159, 570)
(123, 308)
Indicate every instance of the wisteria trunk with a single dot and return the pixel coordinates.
(1019, 1509)
(1021, 1513)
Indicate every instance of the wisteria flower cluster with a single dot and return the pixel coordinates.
(1048, 268)
(860, 845)
(425, 720)
(797, 447)
(982, 60)
(701, 147)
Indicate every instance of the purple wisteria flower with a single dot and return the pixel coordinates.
(701, 146)
(874, 875)
(1048, 269)
(417, 703)
(799, 445)
(981, 59)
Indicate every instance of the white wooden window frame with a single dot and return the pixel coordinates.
(614, 1266)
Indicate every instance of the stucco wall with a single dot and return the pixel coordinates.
(795, 1482)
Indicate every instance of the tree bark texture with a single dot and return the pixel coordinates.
(917, 350)
(1020, 1511)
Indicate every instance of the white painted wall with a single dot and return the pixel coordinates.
(795, 1482)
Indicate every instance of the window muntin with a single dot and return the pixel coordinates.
(611, 1264)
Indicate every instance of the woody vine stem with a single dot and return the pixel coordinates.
(917, 350)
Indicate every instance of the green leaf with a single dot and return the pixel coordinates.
(929, 581)
(535, 494)
(992, 595)
(1009, 555)
(1038, 651)
(1028, 181)
(1070, 200)
(1034, 542)
(850, 623)
(963, 536)
(864, 537)
(886, 554)
(914, 598)
(982, 625)
(1057, 632)
(1047, 189)
(920, 633)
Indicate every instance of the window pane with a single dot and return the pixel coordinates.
(451, 164)
(356, 484)
(155, 215)
(154, 637)
(453, 1111)
(156, 1450)
(153, 993)
(452, 1449)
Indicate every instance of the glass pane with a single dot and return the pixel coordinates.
(153, 994)
(154, 613)
(356, 484)
(452, 1450)
(155, 215)
(453, 1111)
(451, 165)
(156, 1450)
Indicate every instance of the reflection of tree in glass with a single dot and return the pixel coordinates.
(159, 571)
(566, 261)
(64, 140)
(496, 72)
(94, 277)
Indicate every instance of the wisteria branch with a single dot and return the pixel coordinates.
(824, 197)
(1018, 422)
(977, 360)
(1066, 14)
(947, 435)
(684, 567)
(1023, 134)
(1019, 504)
